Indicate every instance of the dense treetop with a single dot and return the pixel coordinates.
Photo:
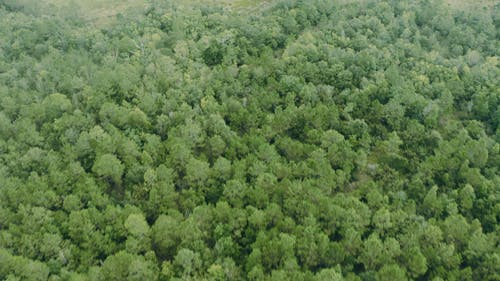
(305, 140)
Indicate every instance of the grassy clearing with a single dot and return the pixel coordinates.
(97, 11)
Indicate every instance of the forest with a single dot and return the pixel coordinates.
(307, 140)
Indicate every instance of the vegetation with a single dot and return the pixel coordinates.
(299, 140)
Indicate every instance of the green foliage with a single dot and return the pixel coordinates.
(295, 140)
(109, 167)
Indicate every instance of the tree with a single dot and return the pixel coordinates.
(329, 274)
(55, 105)
(373, 252)
(188, 261)
(165, 236)
(19, 268)
(312, 245)
(197, 172)
(214, 54)
(125, 266)
(415, 262)
(109, 167)
(391, 272)
(139, 240)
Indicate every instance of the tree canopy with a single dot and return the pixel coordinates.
(296, 140)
